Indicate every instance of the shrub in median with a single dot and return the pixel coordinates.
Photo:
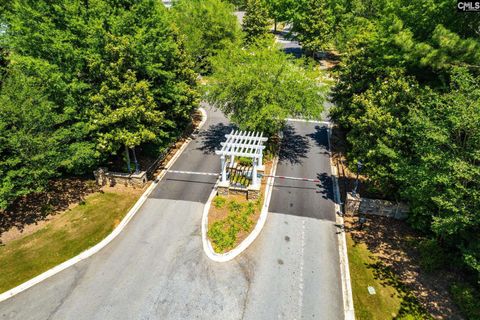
(224, 233)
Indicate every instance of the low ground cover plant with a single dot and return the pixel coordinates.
(224, 233)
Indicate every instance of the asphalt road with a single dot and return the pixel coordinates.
(299, 275)
(156, 268)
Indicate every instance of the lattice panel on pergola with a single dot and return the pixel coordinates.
(243, 144)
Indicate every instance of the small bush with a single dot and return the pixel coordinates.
(244, 161)
(222, 235)
(467, 299)
(234, 206)
(219, 202)
(432, 256)
(46, 208)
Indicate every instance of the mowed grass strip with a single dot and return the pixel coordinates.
(67, 235)
(385, 303)
(391, 301)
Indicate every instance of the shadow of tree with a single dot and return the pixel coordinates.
(293, 146)
(60, 194)
(325, 187)
(213, 136)
(320, 136)
(409, 305)
(297, 52)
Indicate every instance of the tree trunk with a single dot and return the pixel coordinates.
(128, 158)
(275, 25)
(135, 160)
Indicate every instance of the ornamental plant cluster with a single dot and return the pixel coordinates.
(223, 233)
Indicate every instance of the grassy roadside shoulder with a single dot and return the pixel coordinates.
(390, 301)
(65, 236)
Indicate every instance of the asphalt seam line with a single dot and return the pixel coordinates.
(99, 246)
(348, 307)
(224, 257)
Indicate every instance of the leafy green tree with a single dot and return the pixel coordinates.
(208, 26)
(282, 10)
(102, 74)
(408, 98)
(256, 24)
(442, 180)
(259, 87)
(314, 25)
(70, 47)
(124, 111)
(30, 144)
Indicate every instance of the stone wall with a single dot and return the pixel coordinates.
(103, 177)
(355, 205)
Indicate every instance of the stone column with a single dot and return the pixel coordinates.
(352, 204)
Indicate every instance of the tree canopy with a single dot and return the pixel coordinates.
(256, 24)
(103, 75)
(259, 86)
(208, 26)
(407, 96)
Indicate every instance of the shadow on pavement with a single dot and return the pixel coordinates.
(325, 186)
(295, 51)
(213, 136)
(294, 146)
(320, 136)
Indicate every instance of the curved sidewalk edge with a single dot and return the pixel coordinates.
(96, 248)
(342, 241)
(224, 257)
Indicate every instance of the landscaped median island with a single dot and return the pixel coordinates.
(233, 217)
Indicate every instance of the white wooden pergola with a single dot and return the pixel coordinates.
(242, 144)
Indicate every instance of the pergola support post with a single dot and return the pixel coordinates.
(254, 172)
(224, 169)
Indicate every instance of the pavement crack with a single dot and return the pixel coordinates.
(79, 273)
(246, 266)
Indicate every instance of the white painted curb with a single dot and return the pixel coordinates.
(96, 248)
(308, 120)
(342, 242)
(224, 257)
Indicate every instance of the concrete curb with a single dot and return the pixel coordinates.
(224, 257)
(310, 121)
(96, 248)
(342, 243)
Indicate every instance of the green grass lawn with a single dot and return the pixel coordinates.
(391, 301)
(64, 237)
